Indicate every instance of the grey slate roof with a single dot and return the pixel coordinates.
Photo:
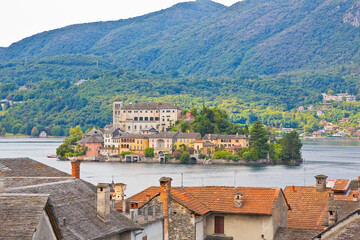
(131, 135)
(150, 106)
(295, 234)
(96, 138)
(20, 215)
(196, 136)
(344, 208)
(70, 199)
(221, 136)
(164, 135)
(347, 228)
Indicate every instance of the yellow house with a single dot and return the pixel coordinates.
(187, 139)
(227, 142)
(135, 143)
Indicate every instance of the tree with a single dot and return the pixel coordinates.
(34, 132)
(149, 152)
(57, 131)
(3, 132)
(75, 135)
(258, 140)
(291, 146)
(177, 153)
(330, 92)
(185, 157)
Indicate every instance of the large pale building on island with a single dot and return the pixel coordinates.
(134, 118)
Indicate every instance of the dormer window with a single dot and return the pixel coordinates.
(238, 200)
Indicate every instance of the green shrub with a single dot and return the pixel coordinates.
(125, 153)
(149, 152)
(184, 158)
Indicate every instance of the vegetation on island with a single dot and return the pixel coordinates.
(70, 147)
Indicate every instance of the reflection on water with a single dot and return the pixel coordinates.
(335, 158)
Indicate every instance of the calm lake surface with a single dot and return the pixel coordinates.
(335, 158)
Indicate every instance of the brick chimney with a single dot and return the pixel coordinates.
(134, 211)
(103, 201)
(75, 169)
(320, 182)
(165, 189)
(332, 216)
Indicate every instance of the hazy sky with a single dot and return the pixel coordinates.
(23, 18)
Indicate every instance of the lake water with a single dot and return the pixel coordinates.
(334, 158)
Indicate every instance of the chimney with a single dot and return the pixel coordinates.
(75, 169)
(355, 196)
(293, 188)
(331, 195)
(103, 201)
(332, 216)
(165, 188)
(238, 200)
(320, 183)
(134, 211)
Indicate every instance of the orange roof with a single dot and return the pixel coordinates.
(308, 207)
(218, 199)
(341, 185)
(348, 197)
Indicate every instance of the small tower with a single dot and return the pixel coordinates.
(117, 107)
(320, 182)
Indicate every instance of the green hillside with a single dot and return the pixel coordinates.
(204, 38)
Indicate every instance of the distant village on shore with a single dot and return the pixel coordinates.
(145, 126)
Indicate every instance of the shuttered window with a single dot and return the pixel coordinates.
(219, 224)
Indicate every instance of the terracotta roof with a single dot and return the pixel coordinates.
(150, 106)
(217, 198)
(308, 207)
(341, 185)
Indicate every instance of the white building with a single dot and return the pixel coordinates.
(135, 117)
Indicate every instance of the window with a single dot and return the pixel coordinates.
(156, 118)
(140, 111)
(141, 118)
(146, 118)
(135, 118)
(144, 238)
(129, 111)
(128, 127)
(219, 224)
(151, 118)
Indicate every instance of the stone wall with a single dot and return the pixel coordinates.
(181, 224)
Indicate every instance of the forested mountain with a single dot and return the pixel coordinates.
(204, 38)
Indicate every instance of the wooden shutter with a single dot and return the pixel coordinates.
(219, 224)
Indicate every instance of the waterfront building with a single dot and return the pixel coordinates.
(227, 142)
(94, 141)
(186, 139)
(135, 143)
(162, 142)
(133, 118)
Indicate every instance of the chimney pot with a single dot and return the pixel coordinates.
(320, 183)
(103, 201)
(293, 188)
(332, 216)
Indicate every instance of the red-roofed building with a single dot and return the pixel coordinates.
(217, 212)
